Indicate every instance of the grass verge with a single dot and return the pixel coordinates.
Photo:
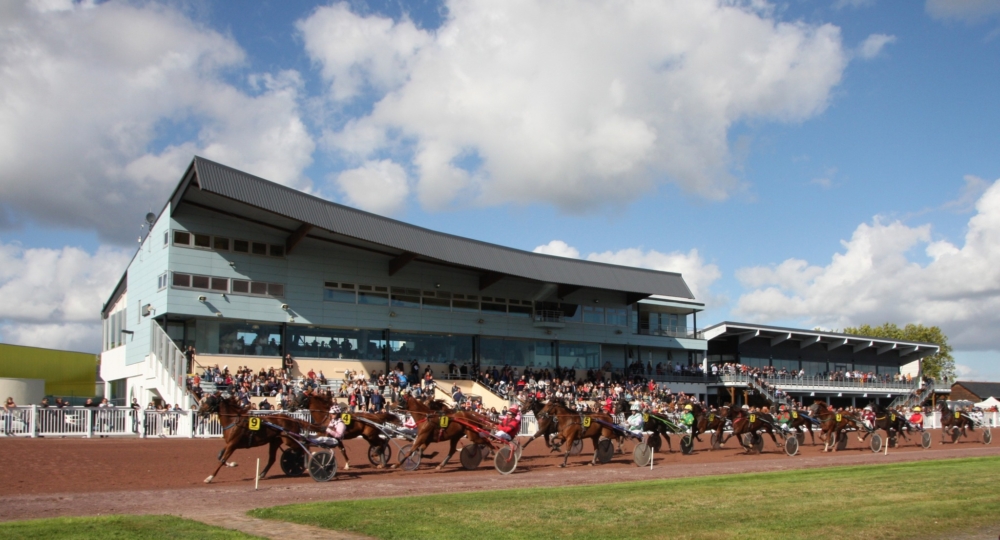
(905, 500)
(116, 528)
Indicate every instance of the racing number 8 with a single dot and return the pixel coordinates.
(586, 421)
(254, 423)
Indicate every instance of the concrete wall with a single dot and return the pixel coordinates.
(65, 373)
(24, 391)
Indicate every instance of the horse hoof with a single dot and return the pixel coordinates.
(232, 464)
(347, 466)
(562, 465)
(209, 479)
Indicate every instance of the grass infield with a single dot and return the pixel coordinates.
(116, 528)
(905, 500)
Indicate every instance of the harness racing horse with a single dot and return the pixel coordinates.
(238, 432)
(319, 405)
(802, 423)
(751, 423)
(574, 426)
(832, 423)
(716, 422)
(535, 406)
(954, 423)
(440, 426)
(891, 422)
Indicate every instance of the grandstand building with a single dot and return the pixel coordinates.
(246, 270)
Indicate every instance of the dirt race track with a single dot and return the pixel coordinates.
(66, 477)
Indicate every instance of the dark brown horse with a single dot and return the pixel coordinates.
(440, 426)
(746, 422)
(319, 404)
(952, 421)
(238, 432)
(832, 423)
(715, 421)
(535, 406)
(891, 422)
(574, 426)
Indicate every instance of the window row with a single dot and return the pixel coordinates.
(221, 243)
(226, 285)
(351, 293)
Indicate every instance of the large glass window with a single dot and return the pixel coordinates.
(579, 355)
(373, 295)
(593, 315)
(465, 302)
(515, 352)
(335, 343)
(425, 348)
(789, 365)
(238, 338)
(407, 298)
(813, 369)
(437, 300)
(616, 317)
(864, 368)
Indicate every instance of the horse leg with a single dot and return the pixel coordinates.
(568, 441)
(595, 439)
(343, 452)
(812, 435)
(226, 452)
(451, 451)
(272, 451)
(670, 449)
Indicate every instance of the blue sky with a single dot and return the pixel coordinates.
(802, 163)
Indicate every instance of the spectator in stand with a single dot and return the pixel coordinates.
(8, 415)
(288, 364)
(189, 355)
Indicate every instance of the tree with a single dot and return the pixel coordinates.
(937, 366)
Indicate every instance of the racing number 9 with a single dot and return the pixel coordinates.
(254, 423)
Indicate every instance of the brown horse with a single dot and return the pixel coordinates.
(319, 405)
(802, 423)
(746, 422)
(953, 420)
(535, 406)
(573, 426)
(440, 426)
(715, 421)
(832, 423)
(238, 432)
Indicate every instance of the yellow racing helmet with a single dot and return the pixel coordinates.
(916, 409)
(688, 407)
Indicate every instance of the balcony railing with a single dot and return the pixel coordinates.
(548, 316)
(670, 331)
(821, 382)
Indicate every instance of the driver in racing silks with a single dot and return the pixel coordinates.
(510, 426)
(783, 417)
(688, 417)
(635, 422)
(917, 419)
(335, 430)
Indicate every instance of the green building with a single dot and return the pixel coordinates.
(66, 373)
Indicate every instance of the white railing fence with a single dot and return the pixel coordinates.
(172, 364)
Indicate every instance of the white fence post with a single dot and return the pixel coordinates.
(33, 422)
(89, 418)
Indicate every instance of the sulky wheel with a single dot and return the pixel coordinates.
(687, 444)
(747, 439)
(955, 433)
(842, 441)
(758, 443)
(792, 446)
(412, 461)
(505, 460)
(605, 450)
(471, 456)
(925, 439)
(322, 465)
(379, 455)
(876, 442)
(518, 450)
(893, 441)
(800, 436)
(293, 462)
(716, 440)
(987, 435)
(642, 454)
(576, 448)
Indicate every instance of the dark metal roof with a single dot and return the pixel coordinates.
(982, 389)
(746, 331)
(248, 189)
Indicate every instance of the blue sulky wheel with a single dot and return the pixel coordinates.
(293, 461)
(322, 465)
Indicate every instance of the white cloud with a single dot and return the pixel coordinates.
(577, 104)
(874, 281)
(559, 249)
(103, 105)
(873, 45)
(377, 186)
(53, 297)
(966, 10)
(696, 272)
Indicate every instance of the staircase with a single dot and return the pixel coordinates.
(914, 398)
(768, 393)
(470, 389)
(169, 369)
